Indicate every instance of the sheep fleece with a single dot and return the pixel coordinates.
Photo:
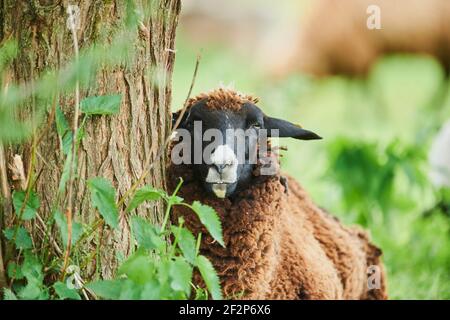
(280, 245)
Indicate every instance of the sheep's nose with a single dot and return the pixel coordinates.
(220, 167)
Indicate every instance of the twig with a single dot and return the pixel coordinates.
(6, 209)
(48, 234)
(69, 241)
(69, 208)
(2, 266)
(5, 188)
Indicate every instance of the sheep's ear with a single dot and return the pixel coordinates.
(288, 129)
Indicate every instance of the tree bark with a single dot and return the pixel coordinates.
(115, 147)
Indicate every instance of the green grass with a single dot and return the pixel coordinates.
(398, 101)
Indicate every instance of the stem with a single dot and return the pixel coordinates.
(169, 206)
(197, 246)
(5, 204)
(175, 242)
(69, 241)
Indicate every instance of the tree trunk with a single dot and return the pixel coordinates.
(114, 147)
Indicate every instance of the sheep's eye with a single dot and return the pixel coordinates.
(256, 125)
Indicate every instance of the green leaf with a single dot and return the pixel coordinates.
(8, 51)
(108, 104)
(66, 171)
(145, 194)
(146, 234)
(163, 275)
(9, 233)
(64, 292)
(23, 239)
(15, 271)
(209, 218)
(151, 291)
(8, 294)
(64, 131)
(62, 126)
(181, 276)
(32, 268)
(186, 242)
(210, 277)
(103, 197)
(138, 268)
(175, 200)
(61, 222)
(31, 206)
(130, 290)
(201, 294)
(31, 291)
(107, 289)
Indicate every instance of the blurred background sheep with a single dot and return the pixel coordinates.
(335, 40)
(378, 97)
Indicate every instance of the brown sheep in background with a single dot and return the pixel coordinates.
(279, 244)
(334, 39)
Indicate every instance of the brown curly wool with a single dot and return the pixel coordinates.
(280, 245)
(223, 99)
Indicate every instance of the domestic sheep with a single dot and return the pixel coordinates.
(335, 39)
(278, 243)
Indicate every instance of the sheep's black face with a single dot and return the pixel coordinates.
(222, 145)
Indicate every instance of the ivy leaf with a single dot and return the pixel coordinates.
(181, 276)
(107, 289)
(146, 234)
(31, 206)
(61, 222)
(186, 242)
(8, 294)
(145, 194)
(210, 277)
(23, 239)
(210, 220)
(103, 197)
(101, 105)
(64, 292)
